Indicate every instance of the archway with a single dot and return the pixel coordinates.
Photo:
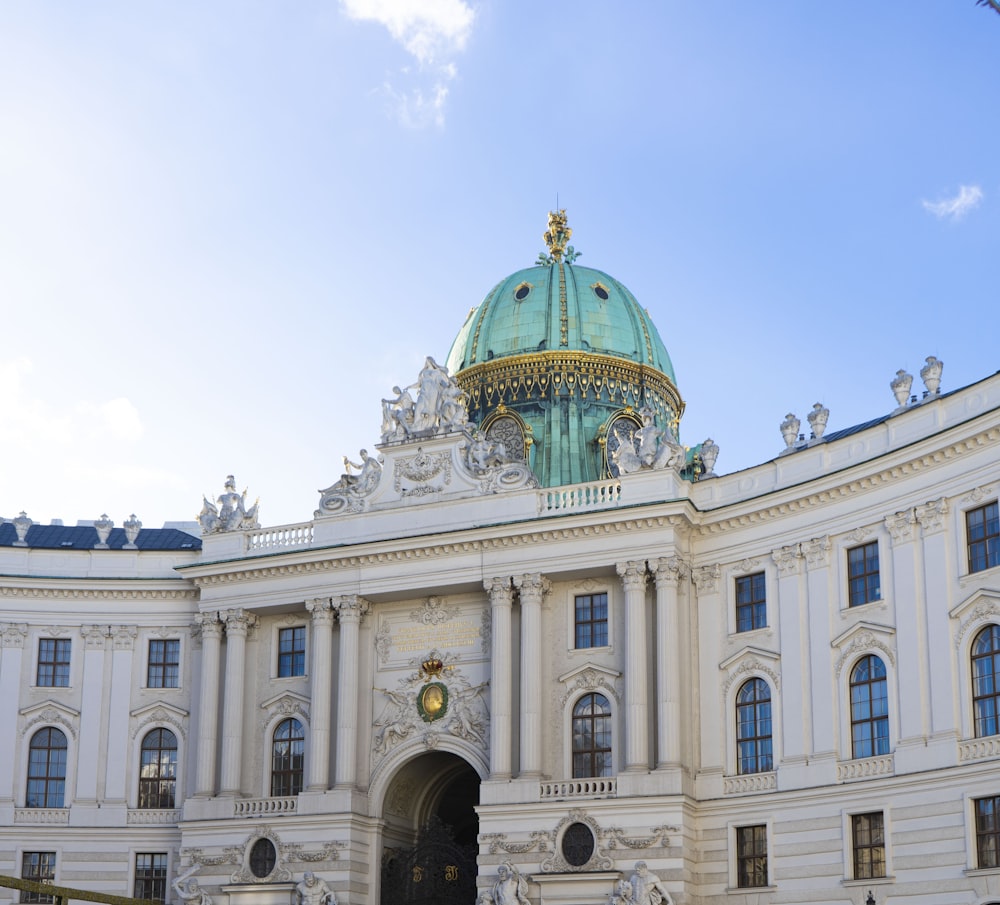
(429, 838)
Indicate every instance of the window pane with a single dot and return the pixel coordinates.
(591, 620)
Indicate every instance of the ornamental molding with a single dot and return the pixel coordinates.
(422, 474)
(78, 593)
(788, 559)
(293, 852)
(286, 704)
(94, 636)
(863, 638)
(615, 837)
(12, 634)
(486, 632)
(900, 525)
(48, 713)
(279, 874)
(587, 678)
(670, 570)
(230, 855)
(878, 479)
(538, 840)
(556, 863)
(978, 494)
(859, 535)
(434, 611)
(975, 611)
(383, 640)
(744, 567)
(158, 714)
(748, 662)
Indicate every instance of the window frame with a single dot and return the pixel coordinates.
(592, 622)
(866, 594)
(872, 719)
(754, 605)
(158, 787)
(594, 751)
(993, 834)
(154, 882)
(164, 665)
(48, 778)
(859, 847)
(738, 862)
(991, 699)
(757, 738)
(38, 876)
(296, 656)
(295, 776)
(989, 542)
(57, 666)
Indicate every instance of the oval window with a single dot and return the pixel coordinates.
(577, 844)
(521, 293)
(263, 857)
(601, 292)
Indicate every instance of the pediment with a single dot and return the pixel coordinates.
(749, 661)
(768, 656)
(977, 609)
(159, 707)
(874, 628)
(49, 712)
(593, 667)
(54, 706)
(590, 677)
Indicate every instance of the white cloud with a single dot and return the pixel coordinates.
(955, 208)
(433, 32)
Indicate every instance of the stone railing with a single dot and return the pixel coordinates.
(751, 782)
(49, 816)
(863, 769)
(258, 807)
(282, 537)
(579, 788)
(979, 748)
(581, 497)
(146, 817)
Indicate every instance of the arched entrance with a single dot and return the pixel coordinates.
(429, 843)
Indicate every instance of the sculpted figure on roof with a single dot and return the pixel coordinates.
(231, 514)
(440, 406)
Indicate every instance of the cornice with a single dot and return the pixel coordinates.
(247, 571)
(846, 488)
(103, 593)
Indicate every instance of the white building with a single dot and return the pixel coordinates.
(774, 686)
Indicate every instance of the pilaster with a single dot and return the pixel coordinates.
(531, 590)
(208, 711)
(501, 597)
(350, 611)
(668, 572)
(238, 624)
(634, 577)
(320, 692)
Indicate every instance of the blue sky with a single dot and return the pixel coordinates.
(227, 229)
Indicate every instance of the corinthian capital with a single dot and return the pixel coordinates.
(321, 609)
(208, 624)
(788, 559)
(931, 515)
(238, 622)
(532, 587)
(633, 574)
(669, 570)
(500, 590)
(351, 608)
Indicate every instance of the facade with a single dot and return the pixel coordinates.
(532, 642)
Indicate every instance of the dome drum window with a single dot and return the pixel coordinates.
(522, 291)
(601, 291)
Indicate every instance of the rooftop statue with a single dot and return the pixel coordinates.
(649, 447)
(439, 407)
(231, 514)
(349, 492)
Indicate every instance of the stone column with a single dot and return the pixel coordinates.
(350, 610)
(91, 724)
(12, 637)
(501, 595)
(123, 650)
(208, 706)
(531, 589)
(633, 575)
(320, 693)
(238, 625)
(669, 571)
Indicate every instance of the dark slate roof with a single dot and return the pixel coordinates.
(84, 537)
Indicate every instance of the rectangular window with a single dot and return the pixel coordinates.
(751, 602)
(292, 651)
(868, 838)
(988, 832)
(53, 662)
(863, 585)
(40, 867)
(150, 876)
(164, 667)
(751, 856)
(591, 619)
(983, 528)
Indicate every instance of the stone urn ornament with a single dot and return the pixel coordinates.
(900, 386)
(930, 374)
(790, 431)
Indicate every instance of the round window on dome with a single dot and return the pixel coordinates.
(522, 291)
(601, 291)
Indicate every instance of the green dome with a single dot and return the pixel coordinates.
(553, 356)
(559, 306)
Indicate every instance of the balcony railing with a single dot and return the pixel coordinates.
(751, 782)
(282, 537)
(258, 807)
(50, 816)
(849, 770)
(579, 788)
(581, 497)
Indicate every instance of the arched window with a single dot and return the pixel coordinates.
(753, 728)
(591, 736)
(869, 708)
(287, 755)
(985, 670)
(158, 769)
(46, 769)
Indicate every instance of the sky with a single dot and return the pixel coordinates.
(228, 229)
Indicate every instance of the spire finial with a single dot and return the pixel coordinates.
(558, 234)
